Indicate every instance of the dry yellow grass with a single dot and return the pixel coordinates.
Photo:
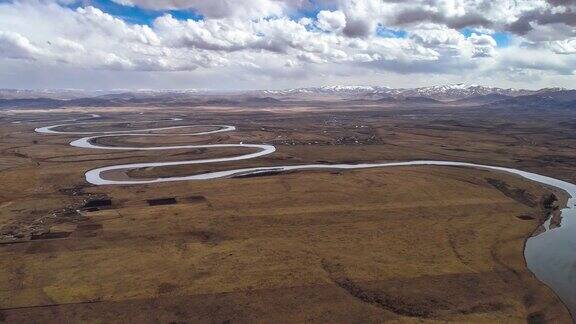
(411, 244)
(404, 244)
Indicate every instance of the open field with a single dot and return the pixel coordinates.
(401, 244)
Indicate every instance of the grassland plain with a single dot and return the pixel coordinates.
(401, 244)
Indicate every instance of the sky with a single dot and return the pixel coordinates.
(277, 44)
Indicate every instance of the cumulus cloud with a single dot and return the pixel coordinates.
(567, 46)
(483, 45)
(16, 46)
(361, 17)
(534, 59)
(270, 38)
(331, 20)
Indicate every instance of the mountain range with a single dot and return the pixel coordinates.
(456, 94)
(441, 92)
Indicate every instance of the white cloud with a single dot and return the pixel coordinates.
(436, 36)
(567, 46)
(535, 59)
(362, 16)
(262, 40)
(483, 45)
(331, 20)
(16, 46)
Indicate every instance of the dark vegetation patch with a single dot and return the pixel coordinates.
(556, 160)
(165, 288)
(195, 199)
(549, 201)
(40, 247)
(428, 296)
(98, 203)
(259, 174)
(390, 302)
(88, 228)
(207, 237)
(569, 124)
(520, 195)
(162, 201)
(485, 308)
(49, 235)
(536, 318)
(529, 300)
(197, 151)
(525, 217)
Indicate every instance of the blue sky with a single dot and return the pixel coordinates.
(138, 15)
(503, 39)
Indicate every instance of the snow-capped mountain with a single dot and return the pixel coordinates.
(442, 92)
(329, 90)
(460, 91)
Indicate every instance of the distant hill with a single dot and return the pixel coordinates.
(268, 100)
(482, 99)
(419, 100)
(541, 99)
(31, 103)
(458, 94)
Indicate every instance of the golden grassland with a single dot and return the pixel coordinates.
(406, 244)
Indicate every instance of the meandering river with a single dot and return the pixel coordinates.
(550, 255)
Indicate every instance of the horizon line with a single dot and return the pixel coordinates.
(274, 89)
